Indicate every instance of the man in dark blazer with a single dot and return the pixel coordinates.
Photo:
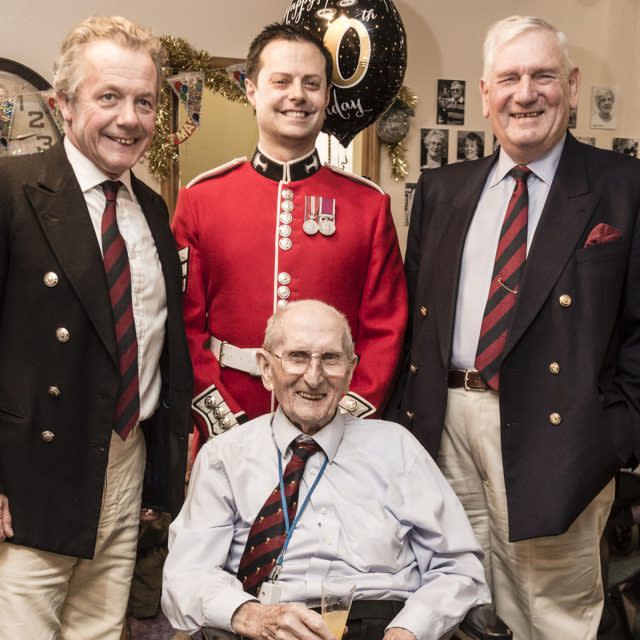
(523, 354)
(95, 369)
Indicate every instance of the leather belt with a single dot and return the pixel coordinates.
(238, 358)
(468, 379)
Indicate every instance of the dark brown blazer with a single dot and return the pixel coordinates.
(55, 484)
(551, 471)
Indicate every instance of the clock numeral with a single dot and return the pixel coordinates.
(20, 103)
(44, 142)
(36, 119)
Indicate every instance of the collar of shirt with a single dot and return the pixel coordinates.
(87, 174)
(329, 437)
(543, 168)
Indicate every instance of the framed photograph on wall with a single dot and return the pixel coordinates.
(626, 146)
(590, 140)
(450, 102)
(409, 190)
(434, 150)
(470, 145)
(603, 108)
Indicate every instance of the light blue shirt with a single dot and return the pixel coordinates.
(382, 514)
(482, 241)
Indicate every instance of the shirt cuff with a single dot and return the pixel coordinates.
(219, 607)
(424, 625)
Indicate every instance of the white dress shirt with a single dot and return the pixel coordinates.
(482, 242)
(148, 292)
(381, 514)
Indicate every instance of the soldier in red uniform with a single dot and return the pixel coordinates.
(256, 234)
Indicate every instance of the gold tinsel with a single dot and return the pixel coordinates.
(398, 158)
(181, 56)
(406, 100)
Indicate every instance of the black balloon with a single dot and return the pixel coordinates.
(369, 47)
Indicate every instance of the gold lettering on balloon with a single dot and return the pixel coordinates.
(332, 40)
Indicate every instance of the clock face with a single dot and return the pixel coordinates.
(33, 129)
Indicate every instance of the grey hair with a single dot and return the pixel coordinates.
(434, 133)
(507, 29)
(600, 92)
(274, 333)
(129, 35)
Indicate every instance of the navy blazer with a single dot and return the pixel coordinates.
(551, 471)
(55, 485)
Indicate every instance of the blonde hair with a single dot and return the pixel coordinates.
(511, 27)
(274, 334)
(129, 35)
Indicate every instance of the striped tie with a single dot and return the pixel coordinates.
(116, 266)
(507, 272)
(267, 534)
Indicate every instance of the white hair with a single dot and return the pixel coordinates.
(507, 29)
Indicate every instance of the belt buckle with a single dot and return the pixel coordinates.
(466, 381)
(220, 356)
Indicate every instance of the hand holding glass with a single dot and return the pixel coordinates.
(337, 594)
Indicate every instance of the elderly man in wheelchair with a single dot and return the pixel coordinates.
(280, 503)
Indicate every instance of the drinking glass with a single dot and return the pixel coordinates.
(336, 596)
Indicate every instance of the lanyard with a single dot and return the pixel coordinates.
(273, 576)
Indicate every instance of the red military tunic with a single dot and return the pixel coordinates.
(239, 229)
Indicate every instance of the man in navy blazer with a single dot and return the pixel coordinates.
(522, 374)
(70, 478)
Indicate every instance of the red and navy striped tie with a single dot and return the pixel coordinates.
(267, 534)
(116, 266)
(507, 272)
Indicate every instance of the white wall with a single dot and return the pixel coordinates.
(31, 30)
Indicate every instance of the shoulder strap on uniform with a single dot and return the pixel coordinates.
(355, 177)
(223, 168)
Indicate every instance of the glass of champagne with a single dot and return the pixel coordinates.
(336, 596)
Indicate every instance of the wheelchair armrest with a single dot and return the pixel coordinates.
(482, 623)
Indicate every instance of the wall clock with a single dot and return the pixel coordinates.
(33, 128)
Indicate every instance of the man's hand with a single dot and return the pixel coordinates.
(398, 633)
(5, 518)
(280, 622)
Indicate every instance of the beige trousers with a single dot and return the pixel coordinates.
(545, 588)
(47, 596)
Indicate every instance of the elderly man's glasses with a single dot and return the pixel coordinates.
(297, 362)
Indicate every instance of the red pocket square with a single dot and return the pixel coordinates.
(602, 234)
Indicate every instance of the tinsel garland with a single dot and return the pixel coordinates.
(398, 158)
(407, 98)
(405, 101)
(181, 56)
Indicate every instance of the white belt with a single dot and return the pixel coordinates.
(229, 355)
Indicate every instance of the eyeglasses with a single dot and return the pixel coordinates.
(297, 362)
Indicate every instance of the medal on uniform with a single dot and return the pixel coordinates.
(327, 216)
(310, 225)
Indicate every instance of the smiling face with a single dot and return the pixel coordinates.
(309, 400)
(471, 151)
(527, 94)
(433, 145)
(112, 115)
(289, 96)
(604, 102)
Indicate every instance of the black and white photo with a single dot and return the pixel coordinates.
(603, 105)
(434, 150)
(451, 101)
(470, 145)
(409, 190)
(626, 146)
